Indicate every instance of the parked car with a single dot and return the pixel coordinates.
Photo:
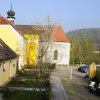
(94, 85)
(84, 68)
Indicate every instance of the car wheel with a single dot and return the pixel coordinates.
(92, 89)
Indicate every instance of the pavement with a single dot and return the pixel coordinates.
(58, 92)
(1, 97)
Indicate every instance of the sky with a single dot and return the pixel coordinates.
(70, 14)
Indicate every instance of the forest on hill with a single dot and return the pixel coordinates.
(85, 46)
(92, 33)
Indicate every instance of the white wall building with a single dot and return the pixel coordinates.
(59, 50)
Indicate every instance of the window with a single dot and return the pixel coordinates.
(55, 55)
(13, 65)
(4, 66)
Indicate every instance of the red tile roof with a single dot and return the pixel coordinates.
(31, 29)
(59, 35)
(22, 29)
(58, 32)
(25, 29)
(4, 21)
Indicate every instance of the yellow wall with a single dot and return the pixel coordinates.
(31, 52)
(12, 39)
(31, 36)
(5, 75)
(31, 48)
(9, 37)
(13, 67)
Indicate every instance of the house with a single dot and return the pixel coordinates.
(8, 62)
(31, 38)
(12, 38)
(26, 41)
(19, 38)
(59, 49)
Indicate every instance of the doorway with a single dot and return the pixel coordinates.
(9, 69)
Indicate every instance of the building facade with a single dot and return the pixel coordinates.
(8, 63)
(12, 38)
(59, 49)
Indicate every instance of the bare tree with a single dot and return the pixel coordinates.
(44, 64)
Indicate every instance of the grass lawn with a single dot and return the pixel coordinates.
(19, 81)
(26, 76)
(27, 95)
(29, 83)
(76, 89)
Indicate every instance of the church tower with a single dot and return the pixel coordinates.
(11, 15)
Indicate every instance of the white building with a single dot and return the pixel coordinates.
(59, 50)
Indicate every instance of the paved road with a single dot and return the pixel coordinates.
(64, 73)
(61, 72)
(58, 92)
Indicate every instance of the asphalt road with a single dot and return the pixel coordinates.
(75, 83)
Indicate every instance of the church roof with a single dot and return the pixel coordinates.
(57, 31)
(25, 29)
(59, 35)
(5, 52)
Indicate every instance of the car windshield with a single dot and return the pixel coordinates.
(85, 66)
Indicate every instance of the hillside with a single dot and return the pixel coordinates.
(93, 33)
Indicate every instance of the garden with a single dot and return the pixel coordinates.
(31, 82)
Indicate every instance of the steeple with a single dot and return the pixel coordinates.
(11, 15)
